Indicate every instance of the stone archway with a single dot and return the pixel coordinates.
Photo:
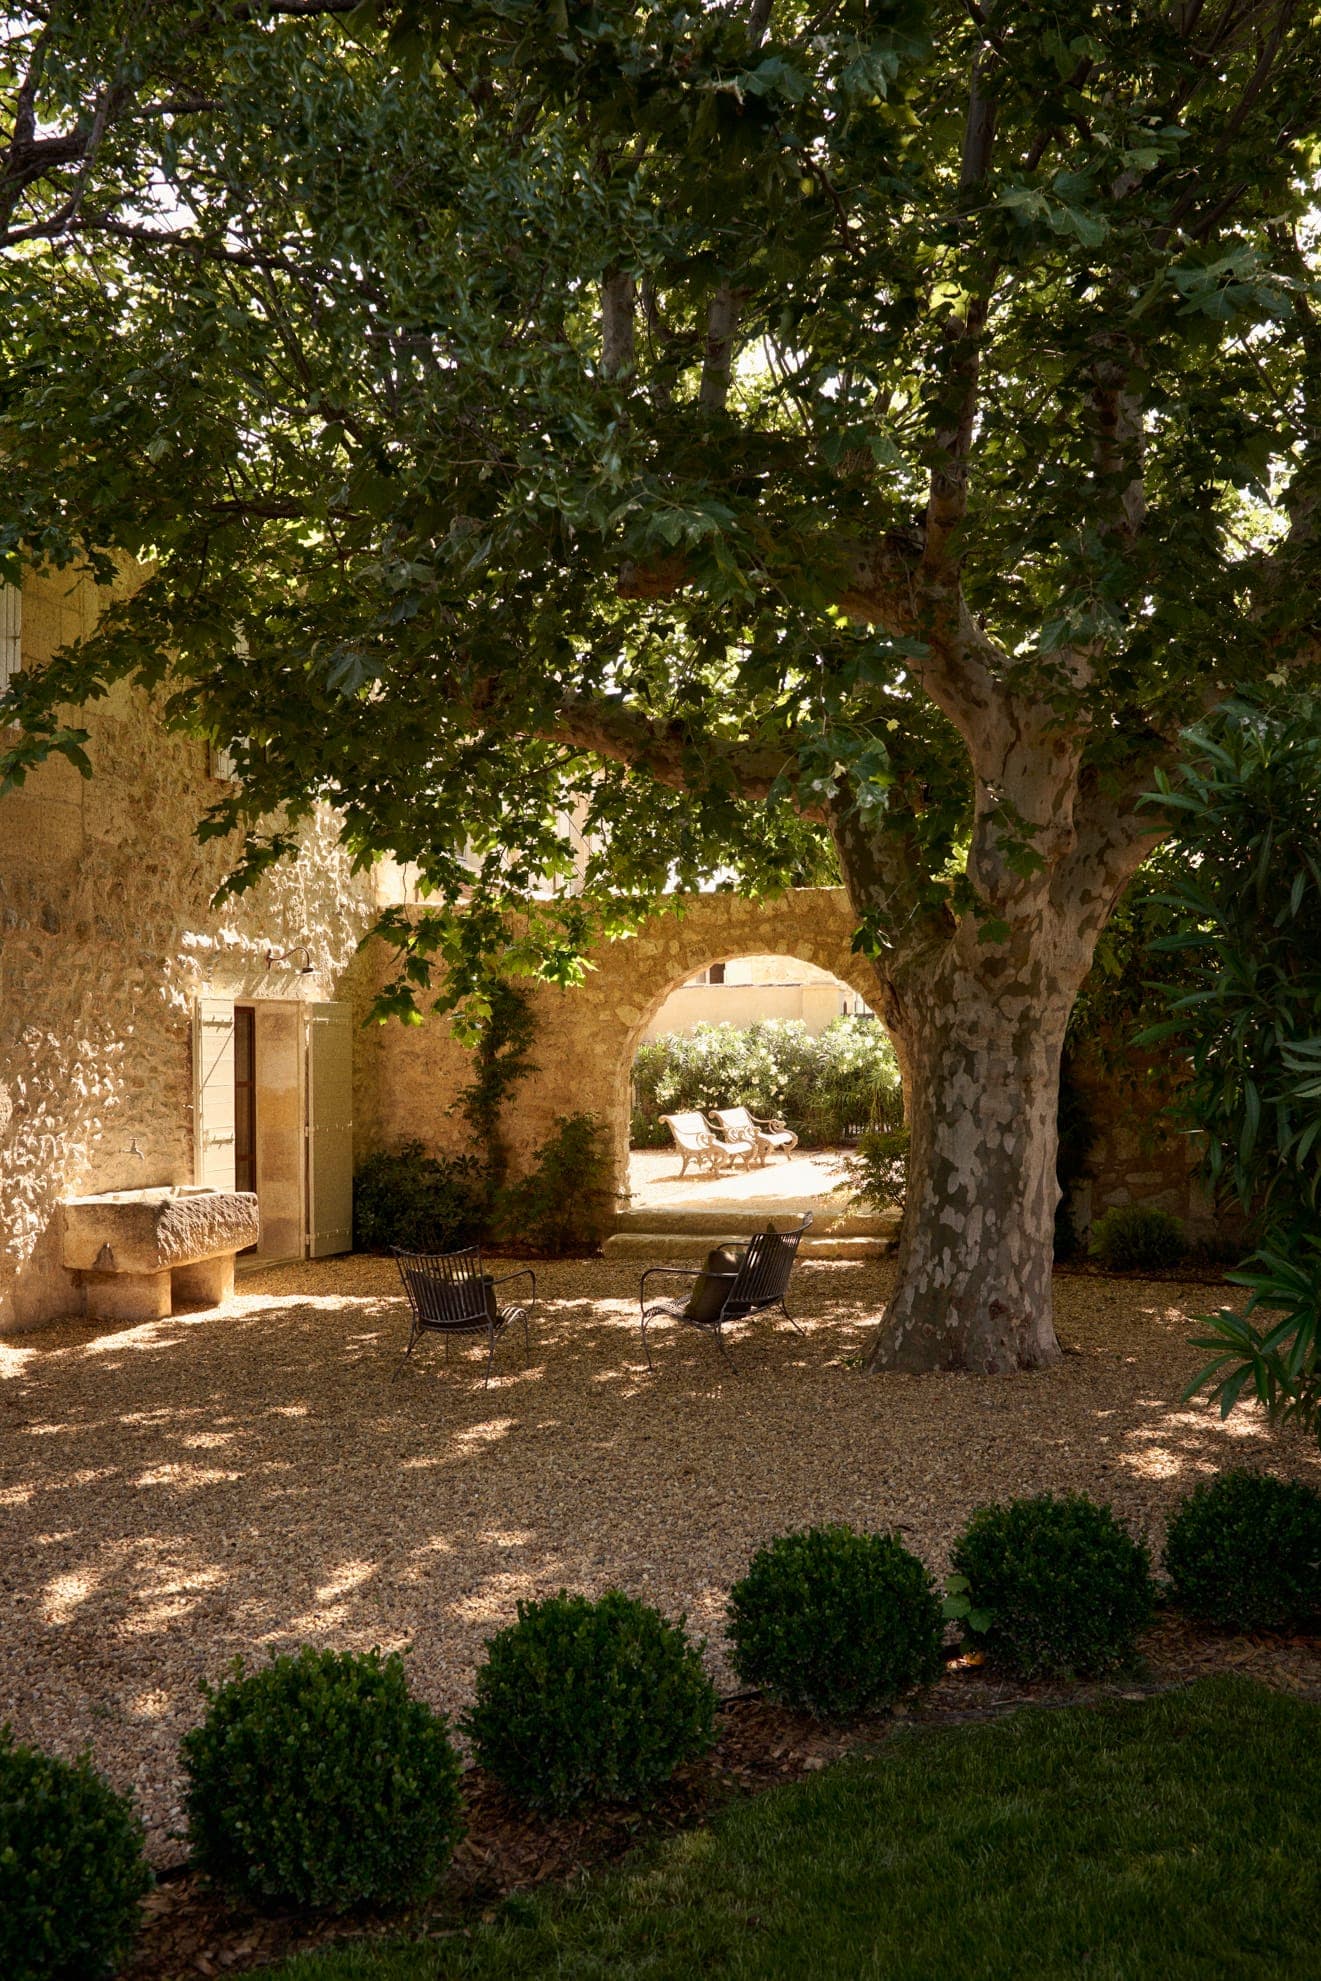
(587, 1036)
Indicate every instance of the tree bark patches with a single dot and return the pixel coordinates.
(976, 1250)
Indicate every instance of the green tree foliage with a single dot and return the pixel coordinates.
(765, 440)
(820, 1083)
(1248, 1012)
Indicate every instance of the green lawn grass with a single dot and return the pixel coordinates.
(1179, 1836)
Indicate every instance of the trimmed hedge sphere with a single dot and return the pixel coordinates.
(72, 1872)
(582, 1699)
(320, 1780)
(1055, 1586)
(1137, 1238)
(835, 1622)
(1245, 1552)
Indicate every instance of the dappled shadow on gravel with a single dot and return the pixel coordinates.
(252, 1478)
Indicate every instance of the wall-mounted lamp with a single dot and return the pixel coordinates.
(305, 968)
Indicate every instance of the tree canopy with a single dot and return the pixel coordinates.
(559, 377)
(759, 433)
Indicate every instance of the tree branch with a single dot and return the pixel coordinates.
(618, 350)
(717, 362)
(665, 747)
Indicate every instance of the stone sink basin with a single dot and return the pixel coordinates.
(139, 1254)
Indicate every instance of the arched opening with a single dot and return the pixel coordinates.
(778, 1034)
(588, 1033)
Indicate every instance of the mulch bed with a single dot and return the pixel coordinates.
(190, 1930)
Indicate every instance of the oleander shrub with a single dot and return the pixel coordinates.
(1137, 1238)
(835, 1622)
(1244, 1552)
(1051, 1586)
(423, 1203)
(319, 1779)
(584, 1700)
(72, 1871)
(820, 1083)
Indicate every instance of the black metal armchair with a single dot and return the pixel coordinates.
(734, 1283)
(451, 1293)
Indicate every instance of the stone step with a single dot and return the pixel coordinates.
(749, 1218)
(691, 1247)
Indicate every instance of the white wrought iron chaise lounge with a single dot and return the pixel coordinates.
(696, 1142)
(768, 1131)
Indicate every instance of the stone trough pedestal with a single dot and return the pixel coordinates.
(142, 1254)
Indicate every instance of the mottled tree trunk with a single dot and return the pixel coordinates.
(976, 1249)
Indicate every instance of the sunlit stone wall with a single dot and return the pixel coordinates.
(587, 1036)
(107, 934)
(408, 1077)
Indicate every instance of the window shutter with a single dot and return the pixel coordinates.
(11, 634)
(329, 1129)
(213, 1094)
(222, 765)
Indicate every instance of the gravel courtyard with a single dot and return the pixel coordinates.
(251, 1479)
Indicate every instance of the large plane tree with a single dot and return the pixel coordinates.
(748, 428)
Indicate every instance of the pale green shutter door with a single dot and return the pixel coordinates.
(329, 1129)
(11, 634)
(213, 1092)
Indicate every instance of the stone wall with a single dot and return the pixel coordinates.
(408, 1077)
(107, 934)
(587, 1037)
(1141, 1153)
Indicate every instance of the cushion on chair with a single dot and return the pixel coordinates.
(439, 1304)
(710, 1294)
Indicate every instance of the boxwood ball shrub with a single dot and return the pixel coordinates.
(581, 1700)
(835, 1622)
(1137, 1238)
(1053, 1585)
(72, 1872)
(1245, 1552)
(320, 1780)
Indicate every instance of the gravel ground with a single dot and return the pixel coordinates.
(250, 1478)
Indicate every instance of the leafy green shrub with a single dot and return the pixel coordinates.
(424, 1203)
(1243, 1003)
(72, 1872)
(1051, 1586)
(1136, 1238)
(565, 1201)
(877, 1170)
(835, 1622)
(1245, 1552)
(589, 1700)
(319, 1780)
(819, 1084)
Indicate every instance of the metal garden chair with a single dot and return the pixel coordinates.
(752, 1283)
(450, 1293)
